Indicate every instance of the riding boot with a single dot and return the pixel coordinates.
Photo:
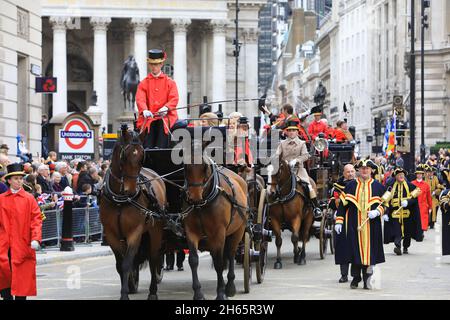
(6, 294)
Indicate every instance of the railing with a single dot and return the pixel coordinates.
(85, 223)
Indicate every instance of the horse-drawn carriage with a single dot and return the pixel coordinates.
(156, 201)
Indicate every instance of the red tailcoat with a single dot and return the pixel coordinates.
(20, 223)
(153, 93)
(317, 127)
(238, 153)
(425, 202)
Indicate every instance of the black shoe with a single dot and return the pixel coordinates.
(168, 268)
(180, 269)
(367, 284)
(343, 279)
(398, 251)
(354, 283)
(405, 250)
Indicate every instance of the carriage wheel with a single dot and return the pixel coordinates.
(261, 245)
(133, 280)
(323, 237)
(247, 265)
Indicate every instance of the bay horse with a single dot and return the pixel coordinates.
(216, 213)
(288, 204)
(131, 213)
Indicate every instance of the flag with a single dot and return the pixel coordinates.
(60, 203)
(386, 138)
(42, 199)
(389, 140)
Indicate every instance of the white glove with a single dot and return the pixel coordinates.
(35, 245)
(338, 228)
(163, 111)
(273, 127)
(404, 203)
(373, 214)
(147, 114)
(292, 163)
(386, 218)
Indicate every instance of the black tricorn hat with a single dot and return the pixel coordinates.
(398, 171)
(15, 169)
(366, 163)
(156, 56)
(317, 110)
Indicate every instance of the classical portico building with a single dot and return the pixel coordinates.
(86, 42)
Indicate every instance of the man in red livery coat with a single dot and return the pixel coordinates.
(425, 201)
(20, 236)
(157, 99)
(317, 126)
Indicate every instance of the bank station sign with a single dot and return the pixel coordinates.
(76, 140)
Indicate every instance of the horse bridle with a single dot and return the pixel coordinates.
(212, 194)
(278, 188)
(135, 141)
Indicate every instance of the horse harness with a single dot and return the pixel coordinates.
(216, 190)
(281, 200)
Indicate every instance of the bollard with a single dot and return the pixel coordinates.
(67, 231)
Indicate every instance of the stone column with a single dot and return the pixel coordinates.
(251, 68)
(180, 62)
(60, 63)
(204, 62)
(219, 72)
(140, 26)
(100, 26)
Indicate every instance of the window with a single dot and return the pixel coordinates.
(395, 36)
(387, 68)
(387, 40)
(394, 10)
(379, 43)
(379, 71)
(395, 64)
(386, 13)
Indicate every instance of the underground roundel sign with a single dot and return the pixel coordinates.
(76, 137)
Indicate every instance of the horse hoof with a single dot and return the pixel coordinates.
(296, 259)
(230, 290)
(124, 298)
(152, 297)
(302, 262)
(199, 296)
(278, 265)
(221, 297)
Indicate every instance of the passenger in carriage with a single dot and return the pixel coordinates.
(209, 119)
(317, 126)
(294, 151)
(157, 99)
(241, 142)
(341, 133)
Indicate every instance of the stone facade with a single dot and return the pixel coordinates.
(199, 46)
(20, 50)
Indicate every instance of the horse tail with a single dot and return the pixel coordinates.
(142, 256)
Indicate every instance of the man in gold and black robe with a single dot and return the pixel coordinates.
(404, 215)
(360, 212)
(436, 188)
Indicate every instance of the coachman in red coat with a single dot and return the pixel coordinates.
(425, 201)
(20, 236)
(157, 99)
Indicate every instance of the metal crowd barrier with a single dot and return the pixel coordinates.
(85, 223)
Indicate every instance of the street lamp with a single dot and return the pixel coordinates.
(424, 24)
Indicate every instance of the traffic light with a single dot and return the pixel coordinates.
(46, 85)
(377, 126)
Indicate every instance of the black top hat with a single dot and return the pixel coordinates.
(156, 56)
(14, 169)
(243, 120)
(366, 163)
(317, 110)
